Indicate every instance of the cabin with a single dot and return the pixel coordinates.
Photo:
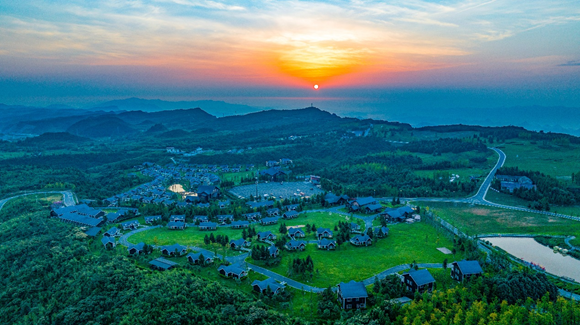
(112, 232)
(269, 221)
(361, 240)
(152, 219)
(253, 216)
(206, 193)
(465, 269)
(200, 218)
(257, 205)
(93, 232)
(294, 245)
(234, 271)
(323, 233)
(224, 204)
(132, 225)
(176, 225)
(359, 204)
(354, 227)
(266, 235)
(223, 218)
(273, 212)
(510, 183)
(271, 163)
(326, 244)
(208, 226)
(397, 215)
(108, 242)
(332, 199)
(292, 207)
(274, 174)
(162, 264)
(296, 233)
(262, 286)
(173, 250)
(285, 161)
(290, 214)
(352, 295)
(419, 281)
(177, 218)
(274, 251)
(240, 224)
(195, 258)
(373, 208)
(136, 249)
(239, 243)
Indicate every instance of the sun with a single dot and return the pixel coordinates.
(316, 87)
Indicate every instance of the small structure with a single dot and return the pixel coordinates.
(275, 174)
(177, 217)
(239, 243)
(361, 240)
(93, 232)
(208, 226)
(465, 269)
(136, 249)
(290, 214)
(354, 227)
(295, 245)
(323, 233)
(326, 244)
(373, 208)
(176, 225)
(173, 250)
(262, 286)
(420, 280)
(162, 264)
(292, 207)
(223, 218)
(332, 199)
(130, 225)
(273, 212)
(253, 216)
(200, 218)
(511, 183)
(195, 258)
(112, 232)
(296, 233)
(381, 232)
(352, 295)
(266, 235)
(359, 204)
(207, 193)
(269, 221)
(273, 250)
(152, 219)
(108, 242)
(234, 271)
(240, 224)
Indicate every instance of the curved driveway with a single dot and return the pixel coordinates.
(68, 198)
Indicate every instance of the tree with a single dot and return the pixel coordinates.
(212, 238)
(445, 264)
(206, 239)
(283, 229)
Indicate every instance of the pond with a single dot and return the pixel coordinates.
(531, 251)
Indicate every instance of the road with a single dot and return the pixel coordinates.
(68, 197)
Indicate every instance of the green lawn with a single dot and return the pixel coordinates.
(405, 244)
(550, 159)
(194, 237)
(502, 198)
(488, 220)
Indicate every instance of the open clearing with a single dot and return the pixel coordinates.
(489, 220)
(406, 243)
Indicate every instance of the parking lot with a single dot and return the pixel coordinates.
(277, 190)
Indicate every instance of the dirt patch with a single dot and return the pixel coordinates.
(480, 212)
(176, 188)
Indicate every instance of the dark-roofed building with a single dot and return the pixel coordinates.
(332, 199)
(398, 214)
(253, 216)
(239, 243)
(176, 225)
(294, 245)
(136, 249)
(296, 233)
(130, 225)
(208, 226)
(292, 207)
(235, 271)
(352, 295)
(194, 258)
(223, 218)
(273, 251)
(361, 240)
(93, 232)
(152, 219)
(381, 232)
(240, 224)
(360, 203)
(273, 212)
(162, 264)
(323, 233)
(420, 280)
(326, 244)
(208, 192)
(81, 215)
(108, 242)
(174, 250)
(269, 221)
(262, 286)
(290, 214)
(112, 232)
(465, 269)
(373, 208)
(275, 174)
(256, 205)
(200, 218)
(265, 235)
(177, 217)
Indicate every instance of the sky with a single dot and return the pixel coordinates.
(366, 56)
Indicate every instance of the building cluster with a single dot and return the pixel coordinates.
(510, 183)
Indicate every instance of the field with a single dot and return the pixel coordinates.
(194, 237)
(556, 161)
(405, 244)
(488, 220)
(507, 199)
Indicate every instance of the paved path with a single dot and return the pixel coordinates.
(68, 198)
(123, 240)
(572, 247)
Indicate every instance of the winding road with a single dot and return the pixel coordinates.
(68, 197)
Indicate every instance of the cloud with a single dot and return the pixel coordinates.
(575, 63)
